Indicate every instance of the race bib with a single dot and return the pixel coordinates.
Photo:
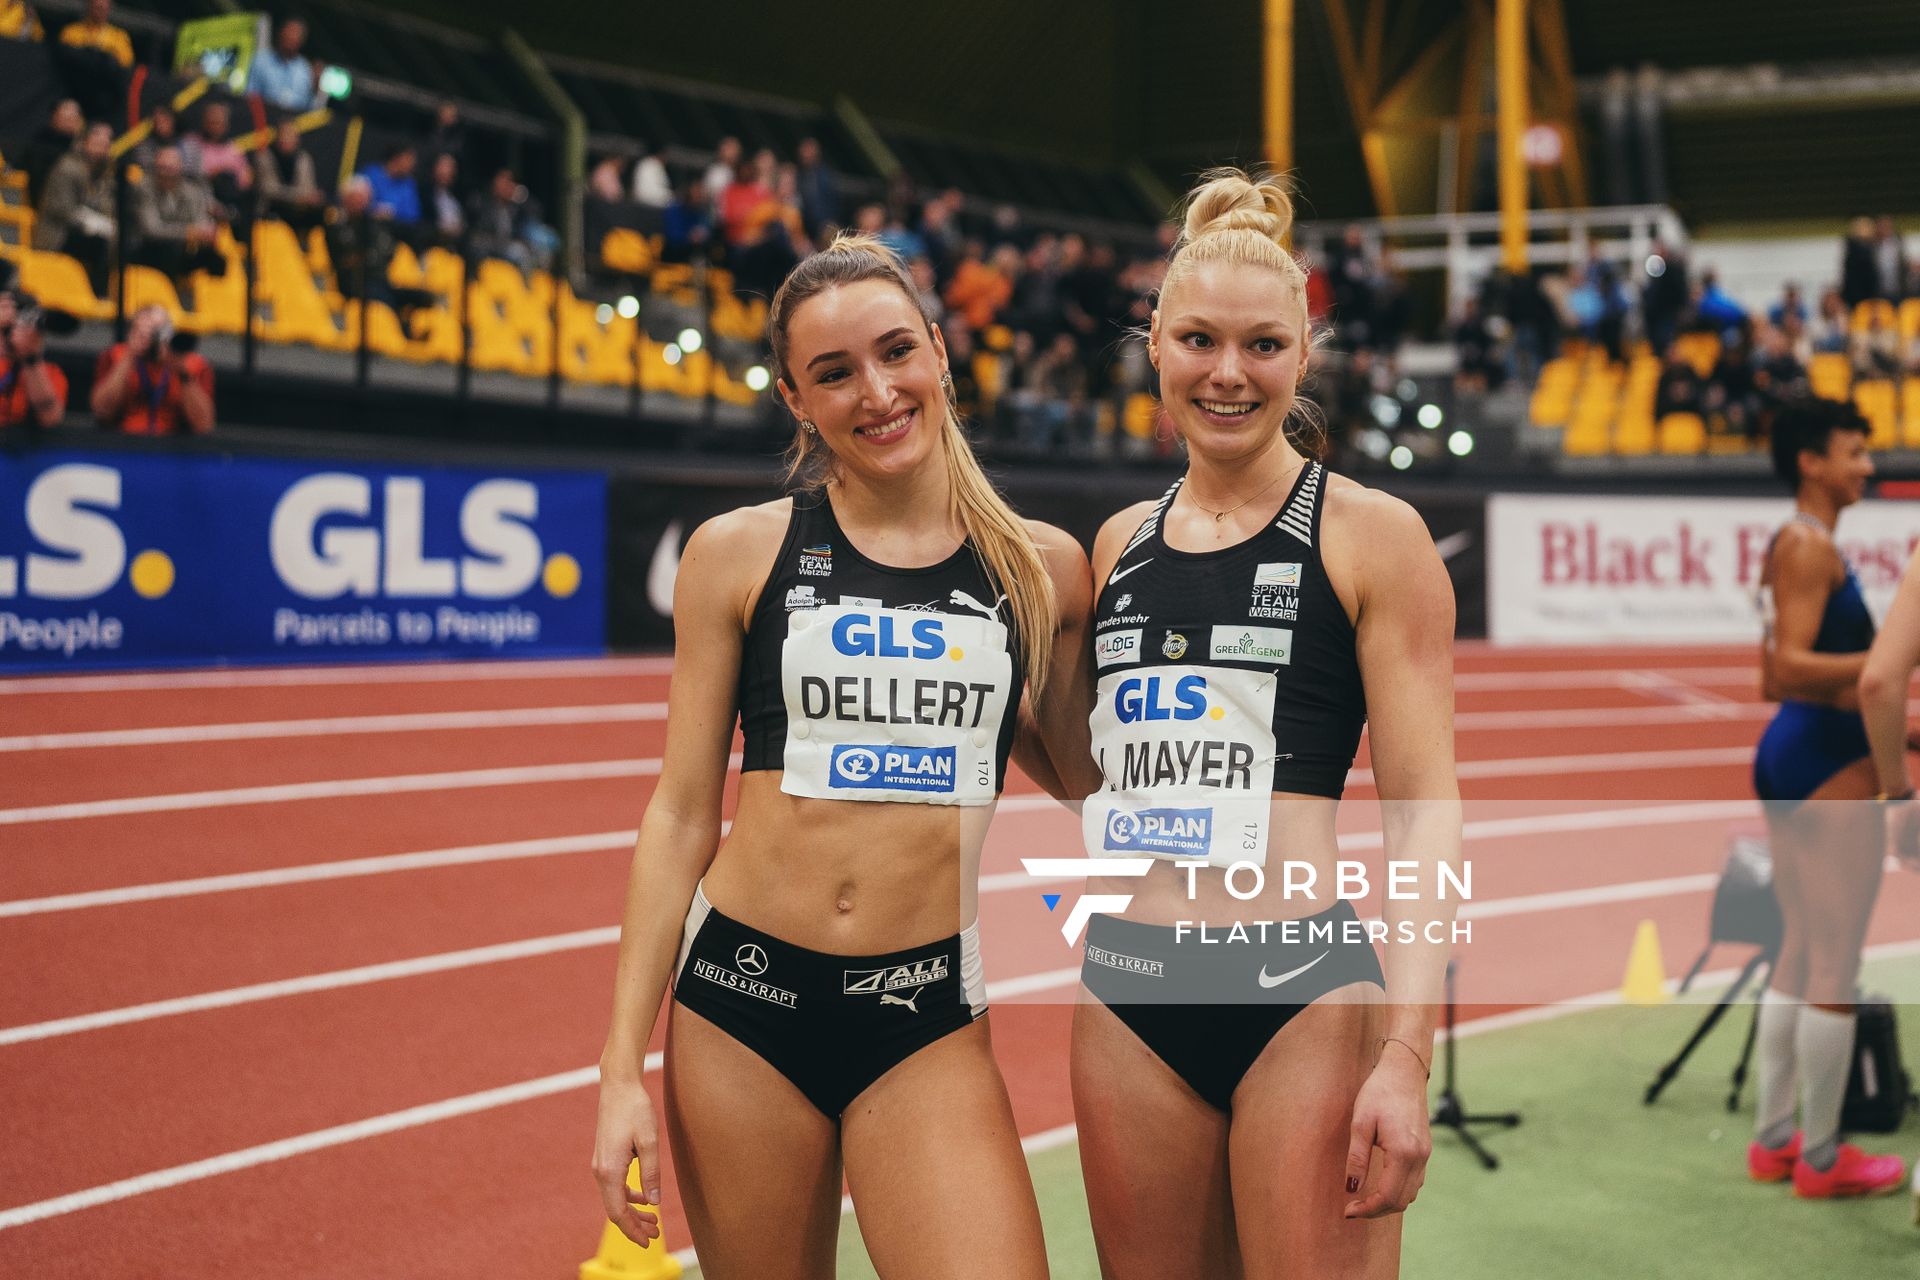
(1187, 753)
(893, 704)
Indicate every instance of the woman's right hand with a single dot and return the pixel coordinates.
(626, 1132)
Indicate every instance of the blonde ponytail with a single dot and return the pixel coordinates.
(1006, 549)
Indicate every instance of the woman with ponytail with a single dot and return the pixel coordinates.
(1252, 1095)
(873, 635)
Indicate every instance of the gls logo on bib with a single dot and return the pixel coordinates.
(1140, 698)
(860, 635)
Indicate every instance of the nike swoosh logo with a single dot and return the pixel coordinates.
(1121, 573)
(1291, 974)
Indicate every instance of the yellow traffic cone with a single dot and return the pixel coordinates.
(621, 1259)
(1646, 981)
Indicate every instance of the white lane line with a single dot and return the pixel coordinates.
(308, 873)
(1605, 717)
(1600, 762)
(310, 983)
(318, 1140)
(649, 766)
(1659, 684)
(463, 778)
(399, 673)
(583, 1077)
(1743, 674)
(1030, 802)
(332, 726)
(1015, 881)
(393, 1122)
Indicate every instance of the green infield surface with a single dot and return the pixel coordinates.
(1594, 1182)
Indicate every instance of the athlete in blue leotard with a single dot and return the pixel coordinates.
(1814, 771)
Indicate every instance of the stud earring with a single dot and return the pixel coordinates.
(808, 427)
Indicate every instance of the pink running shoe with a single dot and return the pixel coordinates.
(1854, 1173)
(1773, 1164)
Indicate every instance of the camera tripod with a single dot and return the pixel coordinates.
(1449, 1113)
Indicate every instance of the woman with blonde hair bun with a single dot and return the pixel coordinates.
(1252, 1099)
(872, 635)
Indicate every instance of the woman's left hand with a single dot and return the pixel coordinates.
(1391, 1114)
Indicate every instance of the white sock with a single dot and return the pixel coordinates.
(1824, 1045)
(1779, 1083)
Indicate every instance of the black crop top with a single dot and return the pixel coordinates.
(1223, 676)
(865, 682)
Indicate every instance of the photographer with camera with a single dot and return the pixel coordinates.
(154, 383)
(33, 393)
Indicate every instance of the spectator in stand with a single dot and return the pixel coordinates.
(1681, 389)
(445, 212)
(76, 214)
(147, 386)
(163, 131)
(289, 188)
(175, 217)
(1889, 259)
(931, 304)
(1036, 294)
(1829, 330)
(282, 75)
(33, 393)
(902, 239)
(360, 245)
(603, 181)
(966, 384)
(1715, 309)
(1086, 283)
(980, 289)
(651, 185)
(774, 234)
(1731, 400)
(1479, 368)
(1350, 271)
(1859, 264)
(1876, 349)
(396, 197)
(689, 225)
(96, 58)
(19, 22)
(46, 148)
(1665, 296)
(506, 225)
(1052, 397)
(1778, 374)
(447, 138)
(719, 174)
(1790, 304)
(819, 190)
(940, 232)
(1600, 304)
(209, 155)
(742, 203)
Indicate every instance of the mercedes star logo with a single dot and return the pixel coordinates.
(751, 959)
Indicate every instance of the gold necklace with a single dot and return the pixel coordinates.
(1218, 516)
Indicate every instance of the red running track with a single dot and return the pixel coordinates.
(371, 957)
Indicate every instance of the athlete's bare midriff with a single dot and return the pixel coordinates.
(847, 877)
(1302, 844)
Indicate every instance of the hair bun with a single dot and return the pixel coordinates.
(1230, 199)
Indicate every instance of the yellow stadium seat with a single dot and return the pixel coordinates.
(1909, 319)
(404, 271)
(1910, 413)
(1683, 433)
(1701, 350)
(147, 287)
(1829, 375)
(1553, 392)
(1142, 416)
(1875, 398)
(1867, 309)
(442, 271)
(626, 250)
(295, 310)
(1585, 443)
(60, 282)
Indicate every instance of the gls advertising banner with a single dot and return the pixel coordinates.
(111, 559)
(1575, 570)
